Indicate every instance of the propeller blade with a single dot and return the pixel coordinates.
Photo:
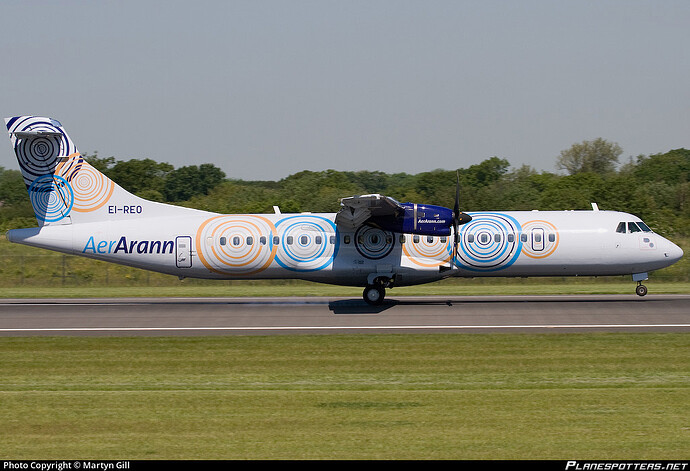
(458, 217)
(456, 208)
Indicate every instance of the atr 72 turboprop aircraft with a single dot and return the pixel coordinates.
(373, 241)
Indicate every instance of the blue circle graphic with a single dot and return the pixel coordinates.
(490, 242)
(51, 197)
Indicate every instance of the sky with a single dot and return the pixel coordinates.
(265, 89)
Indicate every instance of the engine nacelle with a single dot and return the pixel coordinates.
(422, 219)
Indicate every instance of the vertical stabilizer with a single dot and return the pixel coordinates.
(63, 187)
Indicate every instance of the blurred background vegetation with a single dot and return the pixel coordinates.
(654, 187)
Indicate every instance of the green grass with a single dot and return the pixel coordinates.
(552, 396)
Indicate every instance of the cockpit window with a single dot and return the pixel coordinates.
(632, 227)
(644, 226)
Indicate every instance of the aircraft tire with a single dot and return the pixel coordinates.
(374, 295)
(641, 290)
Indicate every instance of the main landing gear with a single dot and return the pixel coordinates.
(375, 292)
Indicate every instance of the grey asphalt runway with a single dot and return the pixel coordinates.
(267, 316)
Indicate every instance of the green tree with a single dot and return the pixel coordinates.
(670, 167)
(100, 164)
(140, 176)
(185, 182)
(597, 156)
(12, 187)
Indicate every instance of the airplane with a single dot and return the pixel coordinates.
(373, 241)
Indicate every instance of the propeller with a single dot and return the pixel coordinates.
(458, 217)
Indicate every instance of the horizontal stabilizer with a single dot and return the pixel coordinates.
(35, 134)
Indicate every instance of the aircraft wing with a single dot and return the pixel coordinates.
(358, 210)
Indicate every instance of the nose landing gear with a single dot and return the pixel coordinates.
(641, 289)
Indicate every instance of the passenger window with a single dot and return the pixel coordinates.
(402, 238)
(250, 241)
(443, 240)
(511, 238)
(289, 240)
(223, 241)
(346, 239)
(552, 237)
(317, 239)
(484, 238)
(523, 237)
(303, 240)
(415, 239)
(262, 240)
(537, 237)
(276, 240)
(621, 228)
(430, 239)
(632, 227)
(235, 241)
(470, 238)
(497, 237)
(332, 238)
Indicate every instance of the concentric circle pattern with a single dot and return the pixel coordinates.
(38, 156)
(374, 243)
(236, 245)
(51, 198)
(540, 238)
(91, 188)
(305, 243)
(490, 242)
(428, 252)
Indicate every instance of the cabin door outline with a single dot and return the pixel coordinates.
(183, 251)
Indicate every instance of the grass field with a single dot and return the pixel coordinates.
(598, 396)
(454, 396)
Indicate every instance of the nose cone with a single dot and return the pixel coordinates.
(673, 253)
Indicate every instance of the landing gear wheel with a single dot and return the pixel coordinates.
(374, 295)
(641, 290)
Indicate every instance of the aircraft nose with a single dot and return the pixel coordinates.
(673, 252)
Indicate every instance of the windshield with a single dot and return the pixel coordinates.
(632, 226)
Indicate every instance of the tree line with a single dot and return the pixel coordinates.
(654, 187)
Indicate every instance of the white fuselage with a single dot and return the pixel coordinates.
(311, 247)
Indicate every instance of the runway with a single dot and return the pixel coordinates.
(269, 316)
